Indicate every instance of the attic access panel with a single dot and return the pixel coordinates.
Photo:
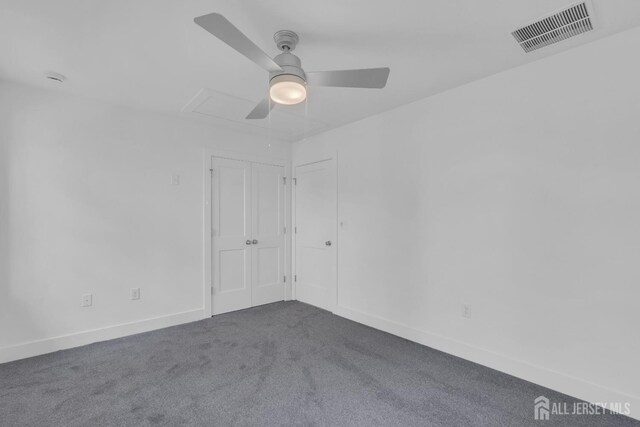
(228, 108)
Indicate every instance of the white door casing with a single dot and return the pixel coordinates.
(315, 234)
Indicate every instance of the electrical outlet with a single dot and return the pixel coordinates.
(466, 311)
(175, 179)
(87, 300)
(135, 293)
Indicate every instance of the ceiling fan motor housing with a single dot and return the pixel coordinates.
(290, 64)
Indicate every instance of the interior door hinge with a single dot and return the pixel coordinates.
(284, 180)
(284, 229)
(295, 230)
(295, 181)
(212, 292)
(295, 278)
(285, 279)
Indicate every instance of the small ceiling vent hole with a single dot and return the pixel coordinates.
(555, 28)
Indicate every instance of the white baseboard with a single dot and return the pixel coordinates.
(557, 381)
(48, 345)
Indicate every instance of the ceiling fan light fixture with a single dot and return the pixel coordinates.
(287, 89)
(288, 80)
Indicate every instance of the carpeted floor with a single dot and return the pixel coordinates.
(280, 364)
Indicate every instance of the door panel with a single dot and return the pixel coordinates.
(232, 184)
(268, 231)
(269, 215)
(231, 209)
(316, 218)
(268, 260)
(233, 270)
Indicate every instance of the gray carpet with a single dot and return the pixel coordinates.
(280, 364)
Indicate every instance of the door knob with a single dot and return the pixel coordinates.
(255, 242)
(248, 242)
(327, 243)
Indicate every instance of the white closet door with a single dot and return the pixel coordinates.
(231, 217)
(267, 233)
(316, 218)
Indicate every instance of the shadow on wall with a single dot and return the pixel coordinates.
(13, 313)
(4, 235)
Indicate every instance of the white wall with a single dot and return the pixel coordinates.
(87, 206)
(518, 194)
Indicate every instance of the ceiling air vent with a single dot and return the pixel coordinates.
(555, 28)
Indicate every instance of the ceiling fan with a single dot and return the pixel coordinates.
(287, 80)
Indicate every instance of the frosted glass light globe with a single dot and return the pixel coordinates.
(288, 89)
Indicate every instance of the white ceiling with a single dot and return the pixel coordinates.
(149, 54)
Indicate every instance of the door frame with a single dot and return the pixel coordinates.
(207, 226)
(331, 156)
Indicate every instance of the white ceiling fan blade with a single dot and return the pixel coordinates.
(375, 78)
(220, 27)
(261, 110)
